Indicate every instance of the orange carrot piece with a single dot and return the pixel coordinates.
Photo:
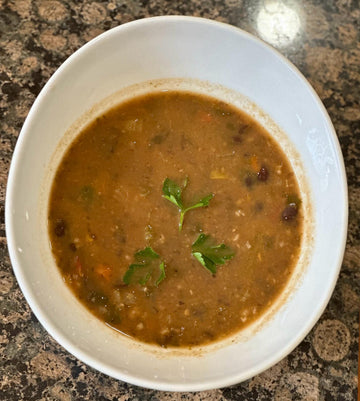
(254, 162)
(78, 267)
(205, 117)
(104, 271)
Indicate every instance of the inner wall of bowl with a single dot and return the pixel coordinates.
(160, 48)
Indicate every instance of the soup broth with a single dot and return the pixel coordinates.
(175, 218)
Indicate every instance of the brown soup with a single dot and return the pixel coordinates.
(176, 219)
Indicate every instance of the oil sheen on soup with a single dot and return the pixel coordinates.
(175, 218)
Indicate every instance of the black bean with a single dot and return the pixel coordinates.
(290, 212)
(60, 227)
(263, 174)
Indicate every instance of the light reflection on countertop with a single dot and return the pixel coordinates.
(278, 23)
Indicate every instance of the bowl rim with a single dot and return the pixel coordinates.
(11, 232)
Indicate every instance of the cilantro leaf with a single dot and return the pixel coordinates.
(201, 203)
(173, 193)
(146, 270)
(209, 254)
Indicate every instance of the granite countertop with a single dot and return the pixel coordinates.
(322, 38)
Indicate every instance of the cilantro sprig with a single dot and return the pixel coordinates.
(147, 269)
(209, 254)
(173, 193)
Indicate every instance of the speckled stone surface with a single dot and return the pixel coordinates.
(322, 38)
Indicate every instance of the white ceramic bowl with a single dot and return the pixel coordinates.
(176, 47)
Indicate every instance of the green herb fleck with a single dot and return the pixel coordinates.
(173, 193)
(147, 269)
(209, 254)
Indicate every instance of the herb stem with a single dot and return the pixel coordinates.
(182, 215)
(173, 193)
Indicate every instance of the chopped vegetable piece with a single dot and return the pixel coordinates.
(172, 192)
(104, 271)
(97, 298)
(205, 117)
(219, 174)
(209, 254)
(146, 270)
(254, 162)
(78, 267)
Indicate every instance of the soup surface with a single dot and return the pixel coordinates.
(175, 218)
